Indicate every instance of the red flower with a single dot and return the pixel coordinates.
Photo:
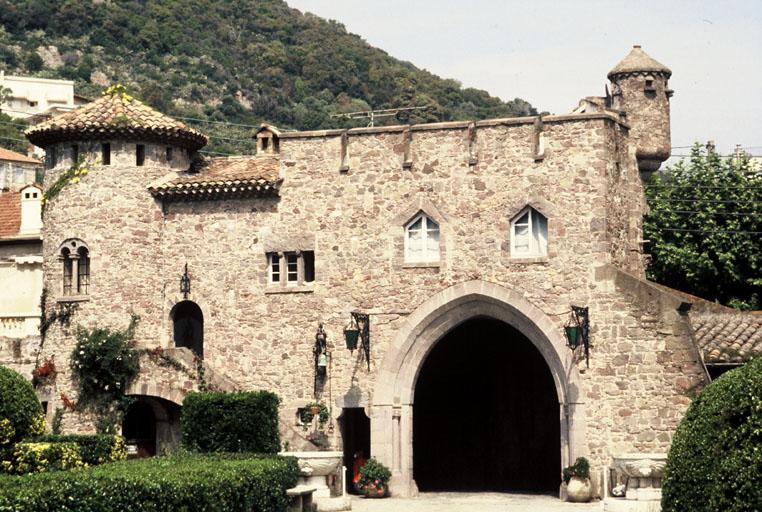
(67, 402)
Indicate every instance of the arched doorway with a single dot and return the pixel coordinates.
(485, 416)
(188, 326)
(151, 425)
(394, 395)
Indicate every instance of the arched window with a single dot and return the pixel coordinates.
(188, 326)
(74, 256)
(83, 277)
(529, 234)
(67, 270)
(422, 239)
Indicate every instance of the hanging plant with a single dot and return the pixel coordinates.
(312, 409)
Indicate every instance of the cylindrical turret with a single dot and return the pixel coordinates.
(639, 88)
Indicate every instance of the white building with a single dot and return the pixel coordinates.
(38, 98)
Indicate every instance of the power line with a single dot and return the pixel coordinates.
(216, 122)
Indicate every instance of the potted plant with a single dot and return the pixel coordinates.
(310, 411)
(374, 479)
(577, 480)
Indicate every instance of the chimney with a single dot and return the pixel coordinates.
(31, 210)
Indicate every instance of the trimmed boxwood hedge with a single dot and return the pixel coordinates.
(715, 462)
(94, 449)
(21, 413)
(231, 422)
(187, 482)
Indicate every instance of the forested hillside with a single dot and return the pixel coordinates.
(239, 61)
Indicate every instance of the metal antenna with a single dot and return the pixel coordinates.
(373, 114)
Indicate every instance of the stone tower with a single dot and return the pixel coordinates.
(100, 221)
(639, 88)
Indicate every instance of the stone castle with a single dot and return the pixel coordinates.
(457, 250)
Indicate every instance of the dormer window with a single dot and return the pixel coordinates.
(268, 140)
(529, 234)
(421, 240)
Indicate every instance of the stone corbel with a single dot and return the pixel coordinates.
(538, 140)
(472, 158)
(344, 167)
(407, 159)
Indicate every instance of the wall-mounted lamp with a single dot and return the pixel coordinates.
(578, 330)
(358, 328)
(185, 287)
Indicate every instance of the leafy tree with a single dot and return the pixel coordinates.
(12, 133)
(705, 228)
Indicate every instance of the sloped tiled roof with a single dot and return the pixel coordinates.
(10, 213)
(226, 177)
(728, 337)
(638, 61)
(8, 155)
(115, 116)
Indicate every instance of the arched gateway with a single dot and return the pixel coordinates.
(392, 422)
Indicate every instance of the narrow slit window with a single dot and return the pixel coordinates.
(67, 271)
(169, 154)
(75, 154)
(308, 259)
(140, 155)
(106, 153)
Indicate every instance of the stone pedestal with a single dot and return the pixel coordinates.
(644, 472)
(314, 468)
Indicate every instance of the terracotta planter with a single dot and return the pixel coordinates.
(375, 492)
(314, 410)
(579, 490)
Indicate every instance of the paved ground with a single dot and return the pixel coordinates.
(466, 502)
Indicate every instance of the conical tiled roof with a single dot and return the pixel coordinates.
(639, 61)
(116, 115)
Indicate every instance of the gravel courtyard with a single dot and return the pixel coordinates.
(467, 502)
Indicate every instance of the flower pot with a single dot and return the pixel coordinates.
(579, 490)
(375, 491)
(350, 336)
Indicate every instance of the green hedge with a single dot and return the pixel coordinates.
(94, 449)
(231, 422)
(39, 457)
(715, 462)
(188, 482)
(21, 414)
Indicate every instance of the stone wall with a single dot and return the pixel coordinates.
(261, 336)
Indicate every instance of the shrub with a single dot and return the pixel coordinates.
(715, 462)
(580, 469)
(39, 457)
(188, 482)
(231, 422)
(21, 413)
(93, 449)
(374, 474)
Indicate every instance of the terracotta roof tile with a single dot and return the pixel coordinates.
(115, 115)
(224, 177)
(639, 61)
(728, 337)
(7, 154)
(10, 213)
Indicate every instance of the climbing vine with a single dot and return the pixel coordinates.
(68, 176)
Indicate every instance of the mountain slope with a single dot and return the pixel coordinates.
(228, 61)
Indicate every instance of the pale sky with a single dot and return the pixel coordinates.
(552, 53)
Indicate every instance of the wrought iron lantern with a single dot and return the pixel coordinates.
(359, 329)
(185, 285)
(578, 330)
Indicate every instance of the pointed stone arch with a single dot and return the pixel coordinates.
(393, 396)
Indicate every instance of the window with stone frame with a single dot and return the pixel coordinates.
(74, 256)
(421, 240)
(529, 234)
(291, 268)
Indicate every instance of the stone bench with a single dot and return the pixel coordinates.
(300, 499)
